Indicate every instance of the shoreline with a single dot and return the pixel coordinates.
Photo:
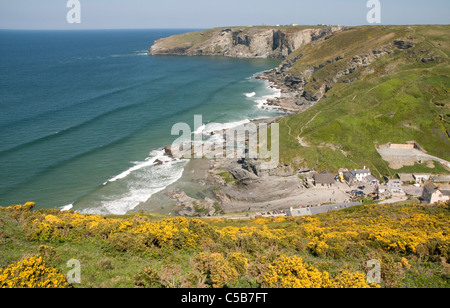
(160, 161)
(203, 186)
(199, 178)
(201, 190)
(194, 196)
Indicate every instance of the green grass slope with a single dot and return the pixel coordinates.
(398, 98)
(410, 241)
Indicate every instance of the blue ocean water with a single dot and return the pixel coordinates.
(84, 114)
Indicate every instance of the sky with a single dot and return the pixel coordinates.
(200, 14)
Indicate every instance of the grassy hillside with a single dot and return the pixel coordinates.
(399, 97)
(410, 241)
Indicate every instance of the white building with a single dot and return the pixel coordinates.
(395, 188)
(361, 174)
(422, 178)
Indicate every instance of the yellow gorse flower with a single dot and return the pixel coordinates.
(32, 272)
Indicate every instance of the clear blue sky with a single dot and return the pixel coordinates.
(123, 14)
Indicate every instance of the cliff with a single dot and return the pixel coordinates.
(345, 88)
(362, 87)
(242, 42)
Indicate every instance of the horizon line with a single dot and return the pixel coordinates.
(203, 28)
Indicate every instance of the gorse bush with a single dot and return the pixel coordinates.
(358, 280)
(217, 270)
(268, 252)
(32, 272)
(148, 278)
(292, 272)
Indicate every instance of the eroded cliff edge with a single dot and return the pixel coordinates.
(242, 42)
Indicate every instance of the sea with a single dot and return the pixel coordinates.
(85, 115)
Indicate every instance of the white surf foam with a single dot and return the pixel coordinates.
(250, 94)
(218, 127)
(134, 53)
(150, 161)
(141, 53)
(66, 207)
(144, 186)
(214, 128)
(200, 130)
(262, 102)
(137, 184)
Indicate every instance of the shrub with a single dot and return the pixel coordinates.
(293, 272)
(391, 272)
(348, 280)
(128, 242)
(148, 278)
(32, 272)
(218, 271)
(239, 262)
(318, 247)
(171, 276)
(49, 253)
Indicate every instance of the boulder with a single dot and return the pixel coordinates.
(400, 44)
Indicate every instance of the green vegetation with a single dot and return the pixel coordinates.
(330, 250)
(227, 177)
(397, 98)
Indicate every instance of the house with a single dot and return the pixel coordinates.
(383, 190)
(324, 179)
(406, 178)
(348, 177)
(433, 193)
(422, 178)
(371, 179)
(395, 188)
(361, 174)
(413, 190)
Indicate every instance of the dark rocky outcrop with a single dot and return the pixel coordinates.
(401, 44)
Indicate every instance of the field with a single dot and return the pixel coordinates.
(332, 250)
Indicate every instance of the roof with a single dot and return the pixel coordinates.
(324, 178)
(413, 190)
(430, 188)
(444, 189)
(348, 174)
(441, 179)
(360, 171)
(371, 178)
(406, 177)
(422, 174)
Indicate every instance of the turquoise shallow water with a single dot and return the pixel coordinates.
(84, 114)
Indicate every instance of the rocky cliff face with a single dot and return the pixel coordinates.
(242, 42)
(297, 97)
